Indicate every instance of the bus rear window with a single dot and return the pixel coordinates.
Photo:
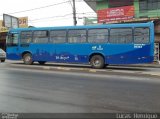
(141, 35)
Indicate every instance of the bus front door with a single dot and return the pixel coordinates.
(13, 47)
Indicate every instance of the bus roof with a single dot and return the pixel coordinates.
(85, 27)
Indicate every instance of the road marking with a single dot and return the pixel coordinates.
(92, 70)
(61, 68)
(46, 68)
(120, 71)
(152, 73)
(67, 69)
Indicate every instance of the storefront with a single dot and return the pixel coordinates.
(23, 23)
(3, 40)
(3, 34)
(120, 11)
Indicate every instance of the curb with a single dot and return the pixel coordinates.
(87, 70)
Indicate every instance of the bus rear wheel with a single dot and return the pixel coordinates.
(97, 61)
(27, 59)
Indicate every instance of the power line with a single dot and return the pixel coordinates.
(55, 5)
(58, 19)
(87, 14)
(59, 16)
(38, 8)
(52, 17)
(69, 1)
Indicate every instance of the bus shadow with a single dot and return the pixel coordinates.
(127, 68)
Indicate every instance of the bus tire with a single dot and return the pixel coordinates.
(3, 60)
(27, 59)
(97, 61)
(41, 62)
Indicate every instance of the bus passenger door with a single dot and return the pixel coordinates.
(13, 46)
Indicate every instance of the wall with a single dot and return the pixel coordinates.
(136, 7)
(157, 38)
(152, 13)
(102, 5)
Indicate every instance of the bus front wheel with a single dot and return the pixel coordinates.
(27, 59)
(3, 60)
(97, 61)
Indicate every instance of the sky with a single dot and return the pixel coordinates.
(46, 12)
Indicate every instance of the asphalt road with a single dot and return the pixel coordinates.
(32, 90)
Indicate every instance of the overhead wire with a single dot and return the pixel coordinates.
(69, 1)
(52, 17)
(86, 13)
(37, 8)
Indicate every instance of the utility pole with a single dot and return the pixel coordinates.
(74, 13)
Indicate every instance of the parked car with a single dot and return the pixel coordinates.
(2, 55)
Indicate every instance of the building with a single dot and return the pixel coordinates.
(122, 11)
(117, 11)
(23, 22)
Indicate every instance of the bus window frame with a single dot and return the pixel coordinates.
(31, 41)
(132, 42)
(86, 40)
(10, 37)
(50, 41)
(148, 35)
(48, 37)
(98, 42)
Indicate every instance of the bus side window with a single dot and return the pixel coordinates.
(77, 36)
(121, 35)
(58, 36)
(141, 35)
(40, 36)
(98, 35)
(26, 37)
(12, 39)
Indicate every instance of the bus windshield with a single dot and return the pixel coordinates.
(12, 40)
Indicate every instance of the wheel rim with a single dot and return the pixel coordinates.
(27, 58)
(96, 62)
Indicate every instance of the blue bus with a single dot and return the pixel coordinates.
(97, 45)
